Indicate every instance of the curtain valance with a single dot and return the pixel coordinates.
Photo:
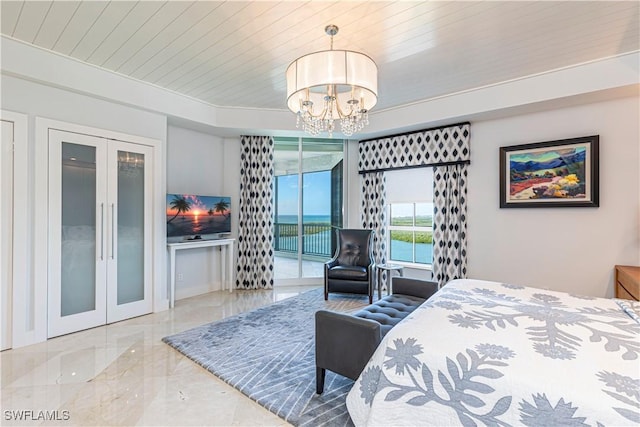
(445, 145)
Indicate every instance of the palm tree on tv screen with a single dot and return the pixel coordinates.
(222, 206)
(181, 205)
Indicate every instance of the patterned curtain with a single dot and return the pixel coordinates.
(447, 149)
(255, 225)
(449, 222)
(431, 147)
(372, 213)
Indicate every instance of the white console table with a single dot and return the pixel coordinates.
(226, 261)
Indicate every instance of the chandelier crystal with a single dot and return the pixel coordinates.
(130, 164)
(332, 85)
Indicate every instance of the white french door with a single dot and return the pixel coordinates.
(99, 259)
(77, 285)
(129, 181)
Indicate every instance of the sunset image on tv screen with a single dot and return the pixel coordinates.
(191, 215)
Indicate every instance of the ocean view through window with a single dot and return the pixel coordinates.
(308, 204)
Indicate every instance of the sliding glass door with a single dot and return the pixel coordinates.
(308, 200)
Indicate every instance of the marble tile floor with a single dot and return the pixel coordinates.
(123, 374)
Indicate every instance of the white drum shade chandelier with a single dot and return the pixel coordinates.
(331, 85)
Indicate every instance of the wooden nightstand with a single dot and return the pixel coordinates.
(628, 282)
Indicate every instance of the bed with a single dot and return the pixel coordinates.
(487, 353)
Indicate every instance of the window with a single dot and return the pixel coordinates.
(410, 213)
(411, 233)
(308, 201)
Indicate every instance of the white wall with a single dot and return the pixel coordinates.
(195, 165)
(200, 163)
(566, 249)
(195, 162)
(352, 196)
(231, 174)
(45, 101)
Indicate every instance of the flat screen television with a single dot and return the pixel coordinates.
(191, 216)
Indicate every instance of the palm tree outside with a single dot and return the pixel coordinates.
(181, 205)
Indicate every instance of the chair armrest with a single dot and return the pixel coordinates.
(345, 343)
(331, 263)
(414, 287)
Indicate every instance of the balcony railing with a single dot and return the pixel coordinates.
(316, 238)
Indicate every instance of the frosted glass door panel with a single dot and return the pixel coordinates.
(130, 216)
(77, 251)
(130, 248)
(78, 246)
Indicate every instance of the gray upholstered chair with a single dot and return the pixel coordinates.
(352, 268)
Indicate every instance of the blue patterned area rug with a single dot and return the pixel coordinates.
(269, 355)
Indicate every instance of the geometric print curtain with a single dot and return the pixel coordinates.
(449, 223)
(255, 224)
(372, 213)
(430, 147)
(447, 149)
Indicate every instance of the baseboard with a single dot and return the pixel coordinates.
(192, 291)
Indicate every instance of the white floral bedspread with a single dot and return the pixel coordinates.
(485, 353)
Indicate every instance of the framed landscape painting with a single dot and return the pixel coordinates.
(561, 173)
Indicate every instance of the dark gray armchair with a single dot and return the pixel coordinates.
(352, 268)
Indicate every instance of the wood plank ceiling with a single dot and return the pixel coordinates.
(235, 53)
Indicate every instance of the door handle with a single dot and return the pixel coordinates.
(113, 230)
(101, 231)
